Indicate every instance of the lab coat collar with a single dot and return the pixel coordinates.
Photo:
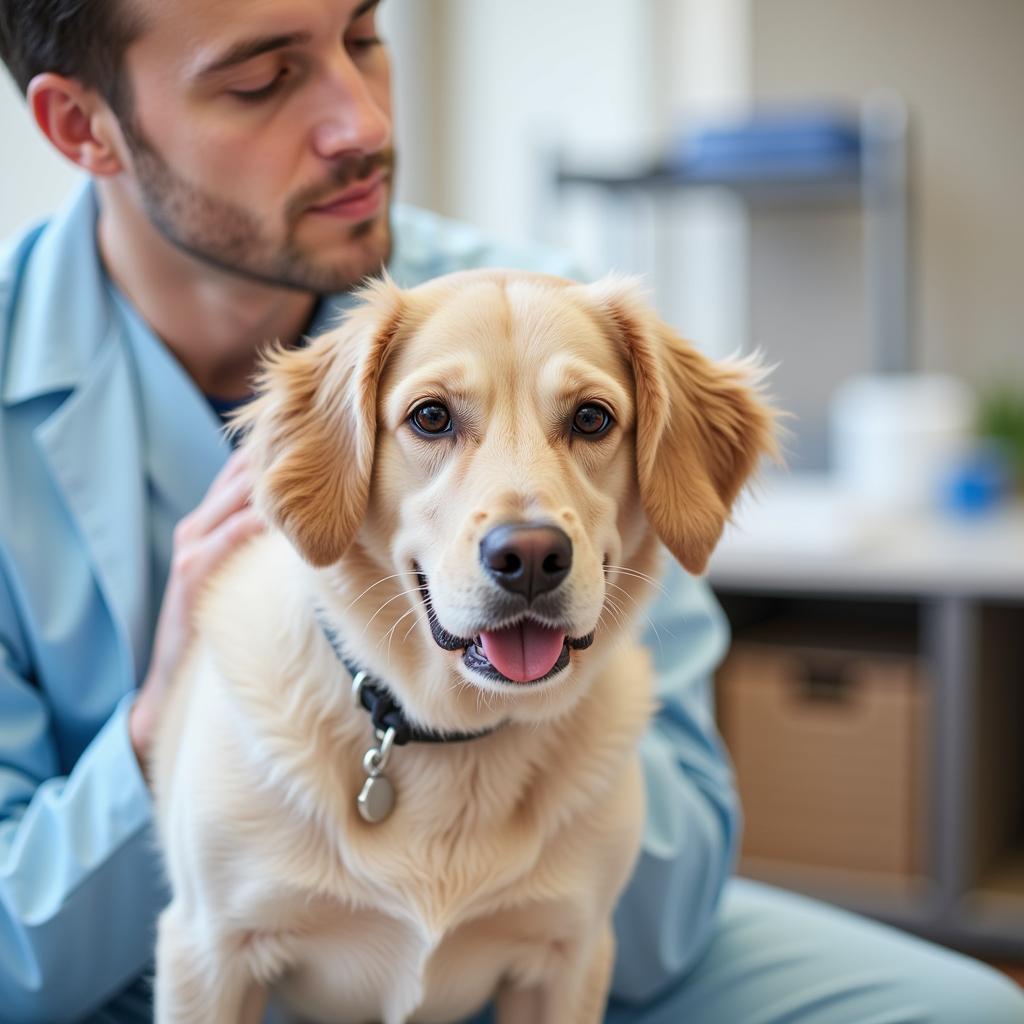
(60, 316)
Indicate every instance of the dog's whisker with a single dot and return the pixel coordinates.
(618, 618)
(657, 633)
(650, 621)
(394, 626)
(404, 593)
(487, 700)
(390, 634)
(623, 591)
(630, 569)
(641, 577)
(420, 618)
(614, 614)
(603, 621)
(393, 576)
(615, 610)
(459, 685)
(627, 571)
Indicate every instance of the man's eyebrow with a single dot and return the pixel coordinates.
(363, 8)
(246, 49)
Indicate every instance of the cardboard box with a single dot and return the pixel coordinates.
(827, 746)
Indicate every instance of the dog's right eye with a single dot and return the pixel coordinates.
(431, 418)
(591, 420)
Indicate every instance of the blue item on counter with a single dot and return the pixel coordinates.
(978, 483)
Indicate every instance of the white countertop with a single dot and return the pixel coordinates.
(802, 533)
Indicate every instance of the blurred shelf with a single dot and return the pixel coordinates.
(840, 184)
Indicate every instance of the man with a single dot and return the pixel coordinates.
(241, 171)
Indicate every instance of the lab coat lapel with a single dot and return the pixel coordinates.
(92, 444)
(64, 341)
(185, 446)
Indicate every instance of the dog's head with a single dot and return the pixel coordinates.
(493, 457)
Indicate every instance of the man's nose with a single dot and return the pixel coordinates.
(353, 118)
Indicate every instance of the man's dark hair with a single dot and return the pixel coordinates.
(82, 39)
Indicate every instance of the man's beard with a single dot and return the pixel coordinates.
(230, 237)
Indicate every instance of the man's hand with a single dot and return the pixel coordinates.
(221, 522)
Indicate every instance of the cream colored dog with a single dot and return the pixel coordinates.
(467, 485)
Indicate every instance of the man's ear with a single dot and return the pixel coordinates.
(701, 426)
(311, 430)
(77, 121)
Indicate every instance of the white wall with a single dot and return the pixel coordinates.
(413, 31)
(529, 76)
(34, 176)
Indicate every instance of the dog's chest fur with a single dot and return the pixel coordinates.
(440, 942)
(433, 914)
(430, 910)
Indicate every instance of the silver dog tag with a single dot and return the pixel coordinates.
(376, 800)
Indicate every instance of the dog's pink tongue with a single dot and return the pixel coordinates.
(523, 652)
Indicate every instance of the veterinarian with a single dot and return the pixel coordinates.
(240, 173)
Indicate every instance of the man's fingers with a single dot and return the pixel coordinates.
(229, 496)
(236, 467)
(225, 538)
(202, 540)
(238, 461)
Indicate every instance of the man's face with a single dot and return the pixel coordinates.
(260, 136)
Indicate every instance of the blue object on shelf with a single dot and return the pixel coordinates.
(773, 143)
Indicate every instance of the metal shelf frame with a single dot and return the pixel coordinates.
(876, 181)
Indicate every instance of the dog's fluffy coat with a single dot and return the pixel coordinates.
(497, 873)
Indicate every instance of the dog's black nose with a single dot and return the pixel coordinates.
(528, 559)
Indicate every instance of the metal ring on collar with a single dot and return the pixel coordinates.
(376, 760)
(357, 689)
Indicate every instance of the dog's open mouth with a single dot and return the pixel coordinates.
(524, 651)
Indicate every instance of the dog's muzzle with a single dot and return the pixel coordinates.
(519, 648)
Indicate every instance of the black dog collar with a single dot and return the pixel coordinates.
(385, 711)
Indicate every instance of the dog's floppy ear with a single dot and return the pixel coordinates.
(311, 430)
(701, 426)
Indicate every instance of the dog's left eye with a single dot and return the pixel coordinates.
(431, 418)
(591, 420)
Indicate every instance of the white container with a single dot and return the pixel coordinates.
(895, 437)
